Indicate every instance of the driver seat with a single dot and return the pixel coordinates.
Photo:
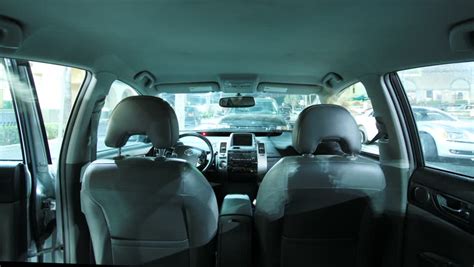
(143, 210)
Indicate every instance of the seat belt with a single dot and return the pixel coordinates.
(93, 126)
(382, 131)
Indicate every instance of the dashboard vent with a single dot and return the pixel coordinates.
(223, 147)
(261, 148)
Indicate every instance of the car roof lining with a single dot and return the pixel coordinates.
(280, 41)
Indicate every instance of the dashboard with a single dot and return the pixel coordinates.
(243, 156)
(241, 160)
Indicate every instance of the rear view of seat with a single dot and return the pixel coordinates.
(320, 210)
(140, 210)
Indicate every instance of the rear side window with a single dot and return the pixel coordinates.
(118, 92)
(355, 99)
(441, 99)
(10, 147)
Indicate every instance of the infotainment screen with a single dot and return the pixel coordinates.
(242, 140)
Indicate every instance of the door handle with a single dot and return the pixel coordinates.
(443, 202)
(453, 206)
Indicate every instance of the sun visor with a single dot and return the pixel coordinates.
(288, 88)
(187, 88)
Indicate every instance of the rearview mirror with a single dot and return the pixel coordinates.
(237, 102)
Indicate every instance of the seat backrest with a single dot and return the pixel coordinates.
(320, 210)
(146, 210)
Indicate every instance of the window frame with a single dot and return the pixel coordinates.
(400, 99)
(38, 110)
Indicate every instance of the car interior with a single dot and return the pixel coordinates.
(237, 133)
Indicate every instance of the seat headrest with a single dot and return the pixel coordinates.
(144, 115)
(326, 123)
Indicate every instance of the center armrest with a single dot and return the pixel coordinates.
(235, 232)
(236, 205)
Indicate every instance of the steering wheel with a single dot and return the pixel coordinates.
(200, 158)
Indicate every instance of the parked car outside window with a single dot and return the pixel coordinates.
(447, 137)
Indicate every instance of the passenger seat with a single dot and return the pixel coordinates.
(320, 210)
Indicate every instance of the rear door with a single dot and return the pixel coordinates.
(439, 225)
(33, 182)
(15, 179)
(35, 103)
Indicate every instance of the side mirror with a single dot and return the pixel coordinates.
(237, 102)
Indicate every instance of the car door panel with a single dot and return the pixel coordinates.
(432, 241)
(14, 192)
(27, 188)
(439, 225)
(449, 197)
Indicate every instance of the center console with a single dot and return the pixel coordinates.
(234, 241)
(241, 157)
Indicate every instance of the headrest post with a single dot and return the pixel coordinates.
(160, 152)
(119, 151)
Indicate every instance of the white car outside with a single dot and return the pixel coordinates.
(367, 127)
(441, 134)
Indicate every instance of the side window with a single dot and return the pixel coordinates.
(10, 147)
(118, 91)
(57, 88)
(354, 98)
(441, 98)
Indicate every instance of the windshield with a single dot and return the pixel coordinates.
(272, 112)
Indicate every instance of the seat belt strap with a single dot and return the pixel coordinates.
(382, 131)
(94, 125)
